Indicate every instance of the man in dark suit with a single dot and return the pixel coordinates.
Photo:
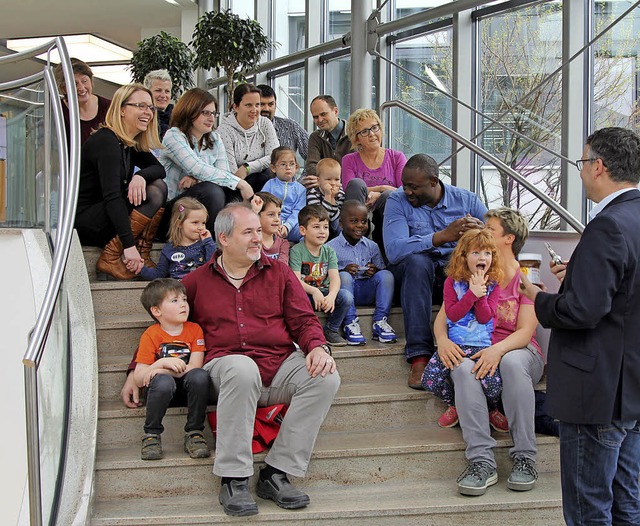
(593, 385)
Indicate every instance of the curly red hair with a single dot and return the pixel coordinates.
(475, 239)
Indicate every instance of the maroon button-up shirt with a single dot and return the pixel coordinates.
(261, 319)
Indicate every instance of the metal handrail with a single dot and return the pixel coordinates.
(68, 197)
(560, 210)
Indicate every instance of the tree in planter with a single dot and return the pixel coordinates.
(223, 40)
(164, 51)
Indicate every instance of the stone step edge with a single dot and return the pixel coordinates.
(423, 498)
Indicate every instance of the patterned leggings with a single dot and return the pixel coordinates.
(436, 379)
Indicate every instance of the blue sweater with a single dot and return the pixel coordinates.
(177, 262)
(294, 198)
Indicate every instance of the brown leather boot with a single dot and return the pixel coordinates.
(144, 242)
(110, 261)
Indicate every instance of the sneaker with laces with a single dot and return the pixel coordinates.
(151, 447)
(196, 445)
(353, 333)
(449, 418)
(523, 474)
(383, 332)
(475, 480)
(498, 421)
(333, 338)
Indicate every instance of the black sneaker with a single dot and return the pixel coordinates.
(196, 445)
(477, 478)
(333, 338)
(236, 499)
(151, 447)
(278, 489)
(523, 474)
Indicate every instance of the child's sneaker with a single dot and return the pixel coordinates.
(333, 338)
(449, 418)
(151, 447)
(383, 332)
(196, 445)
(523, 474)
(353, 333)
(498, 421)
(478, 476)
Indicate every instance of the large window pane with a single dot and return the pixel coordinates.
(243, 8)
(290, 96)
(288, 17)
(518, 50)
(338, 19)
(338, 83)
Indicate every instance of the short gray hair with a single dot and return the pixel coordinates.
(226, 220)
(156, 74)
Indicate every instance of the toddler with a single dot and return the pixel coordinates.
(190, 243)
(169, 361)
(285, 187)
(329, 192)
(471, 294)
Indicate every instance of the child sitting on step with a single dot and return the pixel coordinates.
(190, 243)
(169, 364)
(268, 208)
(471, 294)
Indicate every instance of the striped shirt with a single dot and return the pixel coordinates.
(316, 197)
(292, 135)
(363, 252)
(179, 160)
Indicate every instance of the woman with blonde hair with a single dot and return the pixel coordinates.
(122, 192)
(372, 172)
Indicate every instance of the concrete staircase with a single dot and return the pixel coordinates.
(380, 457)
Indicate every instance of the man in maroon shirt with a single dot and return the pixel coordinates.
(252, 309)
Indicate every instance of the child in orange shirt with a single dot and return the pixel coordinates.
(169, 365)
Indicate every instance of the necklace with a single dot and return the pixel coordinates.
(227, 274)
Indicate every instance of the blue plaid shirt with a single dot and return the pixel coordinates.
(363, 252)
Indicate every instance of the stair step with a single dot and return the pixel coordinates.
(403, 454)
(91, 255)
(423, 502)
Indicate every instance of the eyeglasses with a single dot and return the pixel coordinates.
(141, 106)
(365, 133)
(291, 164)
(208, 113)
(580, 162)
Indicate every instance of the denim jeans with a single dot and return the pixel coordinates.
(165, 390)
(376, 290)
(344, 301)
(419, 276)
(600, 465)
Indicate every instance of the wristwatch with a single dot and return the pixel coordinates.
(326, 348)
(246, 167)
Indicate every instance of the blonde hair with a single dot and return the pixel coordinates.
(356, 118)
(475, 239)
(143, 142)
(512, 222)
(328, 163)
(179, 213)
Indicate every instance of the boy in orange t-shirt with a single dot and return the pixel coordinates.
(169, 365)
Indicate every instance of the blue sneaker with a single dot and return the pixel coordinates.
(353, 333)
(383, 332)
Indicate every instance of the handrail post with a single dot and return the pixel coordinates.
(33, 445)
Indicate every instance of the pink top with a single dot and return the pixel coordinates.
(507, 313)
(389, 172)
(279, 250)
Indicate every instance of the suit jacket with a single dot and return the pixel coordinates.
(594, 349)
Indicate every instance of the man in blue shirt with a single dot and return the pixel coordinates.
(423, 221)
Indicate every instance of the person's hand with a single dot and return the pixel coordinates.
(559, 271)
(171, 363)
(149, 375)
(319, 362)
(132, 259)
(527, 288)
(450, 353)
(245, 189)
(371, 270)
(256, 204)
(241, 172)
(205, 234)
(318, 298)
(457, 228)
(187, 182)
(282, 232)
(351, 268)
(309, 181)
(487, 361)
(372, 198)
(478, 284)
(329, 303)
(137, 192)
(130, 393)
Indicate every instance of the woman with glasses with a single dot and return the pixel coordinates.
(195, 158)
(122, 191)
(372, 172)
(248, 137)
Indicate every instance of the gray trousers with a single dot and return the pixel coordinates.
(521, 370)
(239, 391)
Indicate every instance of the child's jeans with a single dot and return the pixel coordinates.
(437, 379)
(376, 290)
(165, 389)
(344, 301)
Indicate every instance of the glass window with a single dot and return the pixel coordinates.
(288, 18)
(243, 8)
(518, 50)
(409, 7)
(338, 19)
(289, 90)
(337, 75)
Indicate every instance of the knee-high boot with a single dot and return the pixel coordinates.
(110, 261)
(145, 241)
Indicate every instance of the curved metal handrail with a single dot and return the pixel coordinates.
(563, 212)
